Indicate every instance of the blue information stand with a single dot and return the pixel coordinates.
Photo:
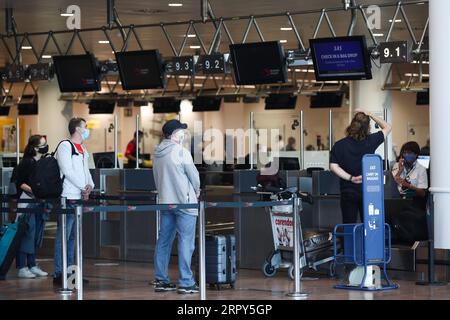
(364, 244)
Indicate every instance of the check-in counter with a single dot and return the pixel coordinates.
(253, 228)
(101, 230)
(138, 229)
(6, 188)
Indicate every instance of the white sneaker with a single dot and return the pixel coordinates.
(26, 273)
(38, 272)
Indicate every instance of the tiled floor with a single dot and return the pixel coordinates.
(120, 280)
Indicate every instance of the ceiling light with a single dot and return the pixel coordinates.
(396, 20)
(46, 56)
(103, 41)
(175, 4)
(283, 41)
(306, 70)
(65, 14)
(194, 47)
(191, 35)
(286, 28)
(425, 75)
(378, 34)
(27, 47)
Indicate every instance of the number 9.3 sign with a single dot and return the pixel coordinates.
(182, 65)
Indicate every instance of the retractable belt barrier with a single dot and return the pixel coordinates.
(78, 207)
(128, 207)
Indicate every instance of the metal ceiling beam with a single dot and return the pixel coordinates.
(225, 19)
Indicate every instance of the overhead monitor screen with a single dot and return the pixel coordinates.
(140, 69)
(258, 63)
(77, 73)
(341, 58)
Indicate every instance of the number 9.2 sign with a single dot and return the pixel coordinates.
(214, 63)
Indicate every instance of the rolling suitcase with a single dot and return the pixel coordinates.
(220, 260)
(318, 244)
(10, 236)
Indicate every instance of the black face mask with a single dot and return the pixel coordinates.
(43, 150)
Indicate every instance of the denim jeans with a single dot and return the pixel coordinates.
(25, 260)
(70, 236)
(172, 223)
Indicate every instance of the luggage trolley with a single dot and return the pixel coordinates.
(316, 246)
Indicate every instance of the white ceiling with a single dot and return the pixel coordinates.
(44, 15)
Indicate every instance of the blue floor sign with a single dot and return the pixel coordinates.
(373, 202)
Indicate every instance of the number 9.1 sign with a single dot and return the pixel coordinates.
(394, 52)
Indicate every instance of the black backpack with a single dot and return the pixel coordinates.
(45, 180)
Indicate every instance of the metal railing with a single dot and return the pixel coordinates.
(83, 207)
(219, 25)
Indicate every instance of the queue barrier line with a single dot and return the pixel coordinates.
(37, 210)
(201, 206)
(141, 207)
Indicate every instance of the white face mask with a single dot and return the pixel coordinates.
(179, 136)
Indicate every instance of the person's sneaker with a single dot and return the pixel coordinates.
(57, 280)
(164, 286)
(154, 282)
(25, 273)
(38, 272)
(191, 289)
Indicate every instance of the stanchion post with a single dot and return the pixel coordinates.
(116, 140)
(17, 141)
(430, 222)
(201, 250)
(64, 290)
(251, 142)
(297, 285)
(137, 141)
(79, 236)
(386, 143)
(330, 130)
(158, 219)
(302, 142)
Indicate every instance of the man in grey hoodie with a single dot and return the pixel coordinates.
(177, 181)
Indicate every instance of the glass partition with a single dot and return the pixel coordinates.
(280, 128)
(419, 133)
(340, 121)
(8, 134)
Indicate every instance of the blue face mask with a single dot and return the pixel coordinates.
(85, 134)
(409, 158)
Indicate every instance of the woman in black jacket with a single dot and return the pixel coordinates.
(26, 255)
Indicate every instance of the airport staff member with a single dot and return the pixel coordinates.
(177, 181)
(130, 153)
(346, 157)
(411, 177)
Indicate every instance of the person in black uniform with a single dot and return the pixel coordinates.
(346, 157)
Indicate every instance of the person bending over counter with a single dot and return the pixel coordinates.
(411, 177)
(130, 153)
(346, 157)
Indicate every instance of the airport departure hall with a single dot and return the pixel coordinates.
(224, 150)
